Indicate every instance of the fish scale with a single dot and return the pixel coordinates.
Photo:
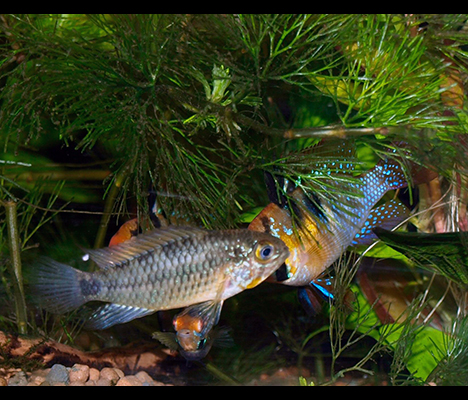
(164, 269)
(166, 287)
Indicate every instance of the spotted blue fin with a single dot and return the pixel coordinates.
(386, 216)
(112, 314)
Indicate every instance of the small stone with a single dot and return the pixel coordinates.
(103, 382)
(77, 383)
(110, 374)
(94, 374)
(18, 379)
(119, 372)
(129, 380)
(58, 374)
(3, 382)
(39, 376)
(144, 377)
(79, 373)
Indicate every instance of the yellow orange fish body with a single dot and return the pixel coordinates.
(320, 233)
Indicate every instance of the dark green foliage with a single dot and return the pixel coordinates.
(98, 110)
(446, 253)
(192, 92)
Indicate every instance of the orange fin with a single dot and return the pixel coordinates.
(126, 232)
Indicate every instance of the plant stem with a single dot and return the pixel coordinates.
(221, 375)
(79, 175)
(116, 186)
(15, 265)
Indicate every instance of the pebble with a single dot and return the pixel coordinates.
(78, 375)
(18, 379)
(104, 382)
(129, 380)
(144, 377)
(110, 374)
(94, 374)
(58, 374)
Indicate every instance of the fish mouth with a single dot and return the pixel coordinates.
(195, 355)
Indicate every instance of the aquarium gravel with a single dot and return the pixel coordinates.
(78, 375)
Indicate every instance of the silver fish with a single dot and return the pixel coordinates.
(164, 269)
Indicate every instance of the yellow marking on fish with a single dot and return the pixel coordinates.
(254, 283)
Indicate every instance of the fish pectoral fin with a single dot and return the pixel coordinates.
(207, 313)
(112, 314)
(222, 338)
(386, 216)
(168, 339)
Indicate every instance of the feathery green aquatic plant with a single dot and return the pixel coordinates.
(197, 107)
(191, 93)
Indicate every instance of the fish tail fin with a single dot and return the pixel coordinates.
(56, 286)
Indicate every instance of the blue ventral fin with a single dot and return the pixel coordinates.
(310, 300)
(311, 297)
(386, 216)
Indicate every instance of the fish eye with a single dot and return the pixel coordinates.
(264, 251)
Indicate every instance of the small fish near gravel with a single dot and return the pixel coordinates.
(164, 269)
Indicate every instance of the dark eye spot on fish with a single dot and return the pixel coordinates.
(89, 287)
(266, 224)
(296, 212)
(314, 206)
(282, 273)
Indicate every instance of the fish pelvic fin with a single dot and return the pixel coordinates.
(320, 290)
(201, 317)
(56, 286)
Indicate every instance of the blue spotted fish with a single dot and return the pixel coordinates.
(322, 229)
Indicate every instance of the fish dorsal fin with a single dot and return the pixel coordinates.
(112, 314)
(386, 216)
(136, 246)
